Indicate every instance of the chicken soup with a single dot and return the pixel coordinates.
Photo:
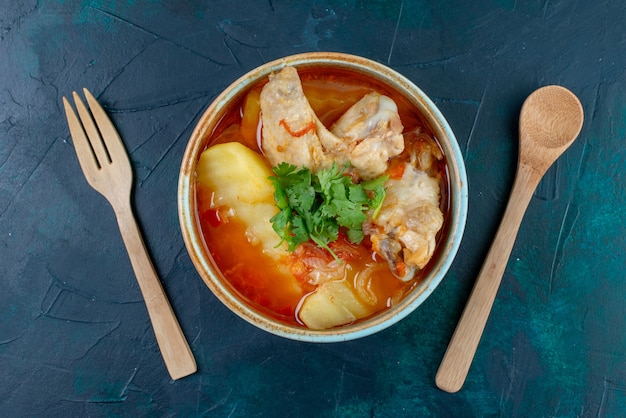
(321, 197)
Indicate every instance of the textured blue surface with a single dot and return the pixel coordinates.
(75, 339)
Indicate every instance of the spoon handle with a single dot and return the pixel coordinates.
(458, 357)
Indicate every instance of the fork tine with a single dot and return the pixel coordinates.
(82, 146)
(92, 132)
(112, 139)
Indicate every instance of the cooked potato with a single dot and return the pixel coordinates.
(333, 303)
(239, 180)
(236, 174)
(250, 117)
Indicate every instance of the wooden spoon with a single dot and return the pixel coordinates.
(550, 120)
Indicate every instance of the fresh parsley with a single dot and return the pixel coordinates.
(314, 206)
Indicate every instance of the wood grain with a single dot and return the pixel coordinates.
(107, 168)
(550, 121)
(177, 355)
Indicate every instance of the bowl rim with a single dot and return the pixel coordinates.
(202, 259)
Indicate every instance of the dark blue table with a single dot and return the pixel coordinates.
(75, 339)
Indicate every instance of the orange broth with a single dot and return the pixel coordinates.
(256, 276)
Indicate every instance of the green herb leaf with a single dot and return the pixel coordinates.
(315, 206)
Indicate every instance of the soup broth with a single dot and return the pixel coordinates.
(278, 289)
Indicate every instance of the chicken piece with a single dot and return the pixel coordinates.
(405, 230)
(372, 130)
(423, 151)
(367, 135)
(292, 132)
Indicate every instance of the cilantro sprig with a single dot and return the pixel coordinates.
(314, 206)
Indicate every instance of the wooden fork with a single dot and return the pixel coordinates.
(106, 166)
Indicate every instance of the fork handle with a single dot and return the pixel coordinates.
(176, 353)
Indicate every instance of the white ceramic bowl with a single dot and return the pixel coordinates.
(449, 244)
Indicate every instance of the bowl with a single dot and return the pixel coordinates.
(448, 244)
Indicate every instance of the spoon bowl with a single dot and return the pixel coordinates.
(550, 120)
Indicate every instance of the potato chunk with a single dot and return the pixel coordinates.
(236, 174)
(239, 180)
(332, 304)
